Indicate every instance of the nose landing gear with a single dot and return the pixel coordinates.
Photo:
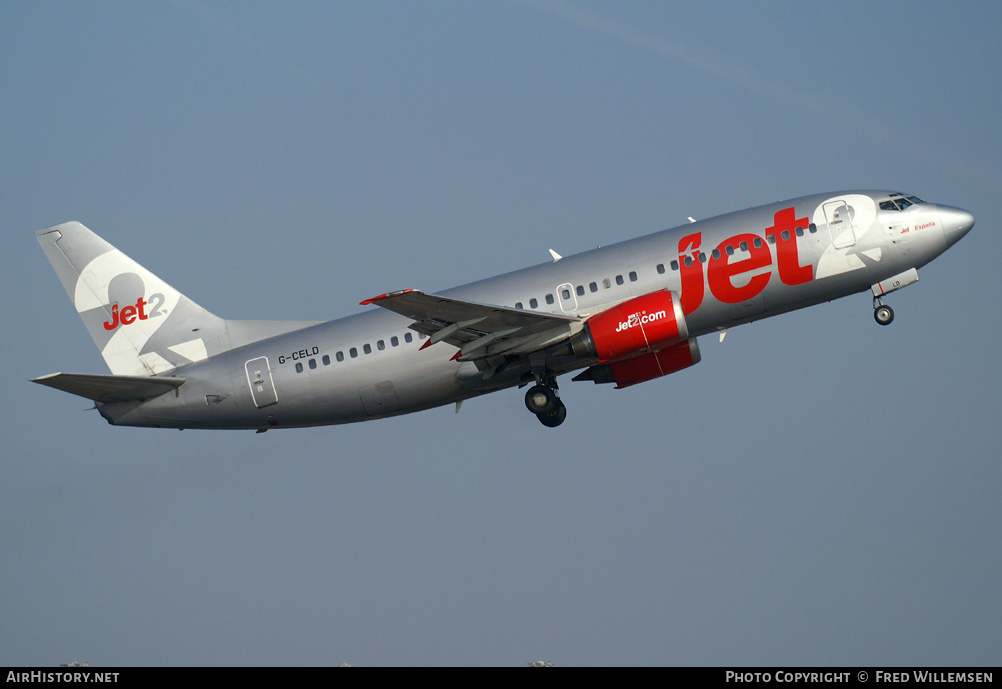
(882, 313)
(543, 400)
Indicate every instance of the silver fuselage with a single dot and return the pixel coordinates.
(728, 270)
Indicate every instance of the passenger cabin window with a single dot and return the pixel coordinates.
(380, 345)
(593, 286)
(606, 283)
(367, 348)
(299, 368)
(518, 305)
(353, 352)
(408, 337)
(580, 290)
(313, 363)
(339, 356)
(674, 265)
(620, 280)
(533, 303)
(661, 269)
(327, 359)
(565, 294)
(395, 341)
(549, 298)
(633, 276)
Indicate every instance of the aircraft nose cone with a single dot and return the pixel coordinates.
(956, 223)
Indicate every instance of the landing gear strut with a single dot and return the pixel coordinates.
(882, 313)
(543, 400)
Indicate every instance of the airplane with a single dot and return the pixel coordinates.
(624, 314)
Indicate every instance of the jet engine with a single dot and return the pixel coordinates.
(648, 323)
(641, 339)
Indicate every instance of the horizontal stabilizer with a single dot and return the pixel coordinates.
(105, 388)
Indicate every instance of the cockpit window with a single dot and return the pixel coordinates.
(899, 203)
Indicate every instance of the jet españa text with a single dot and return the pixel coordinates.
(721, 270)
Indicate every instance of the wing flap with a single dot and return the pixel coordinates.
(110, 388)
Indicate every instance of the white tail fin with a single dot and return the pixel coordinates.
(141, 325)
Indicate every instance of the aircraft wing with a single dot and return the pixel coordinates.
(478, 330)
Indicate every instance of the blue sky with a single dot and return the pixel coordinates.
(819, 490)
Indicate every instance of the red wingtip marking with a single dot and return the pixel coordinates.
(456, 355)
(426, 345)
(386, 296)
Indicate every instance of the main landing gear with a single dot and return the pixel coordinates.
(543, 400)
(882, 313)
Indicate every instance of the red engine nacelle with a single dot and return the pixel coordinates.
(644, 367)
(649, 366)
(643, 324)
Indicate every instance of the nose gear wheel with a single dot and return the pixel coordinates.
(882, 313)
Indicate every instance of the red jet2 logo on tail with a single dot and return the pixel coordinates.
(130, 314)
(720, 272)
